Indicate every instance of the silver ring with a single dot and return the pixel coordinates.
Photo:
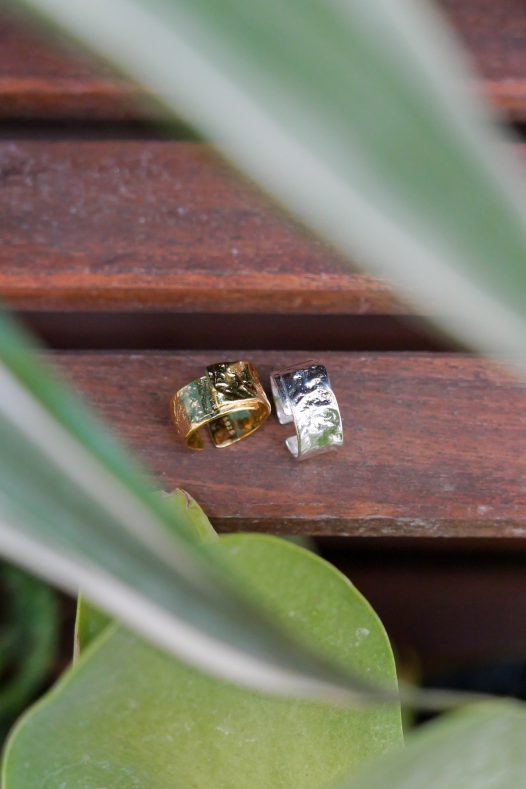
(303, 395)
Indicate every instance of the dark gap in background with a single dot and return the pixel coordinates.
(82, 129)
(518, 129)
(30, 128)
(454, 609)
(200, 331)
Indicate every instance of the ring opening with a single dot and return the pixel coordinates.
(227, 429)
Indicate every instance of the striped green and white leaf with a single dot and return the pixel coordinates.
(75, 510)
(357, 116)
(478, 747)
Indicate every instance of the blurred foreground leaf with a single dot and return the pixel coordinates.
(76, 510)
(479, 747)
(127, 715)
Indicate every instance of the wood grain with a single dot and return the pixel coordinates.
(435, 445)
(42, 78)
(128, 225)
(494, 34)
(45, 76)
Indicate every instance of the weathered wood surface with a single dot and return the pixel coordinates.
(435, 445)
(41, 79)
(135, 225)
(47, 78)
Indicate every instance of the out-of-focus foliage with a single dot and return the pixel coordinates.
(126, 714)
(29, 640)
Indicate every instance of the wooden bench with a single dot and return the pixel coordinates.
(112, 244)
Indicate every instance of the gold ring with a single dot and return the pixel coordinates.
(229, 400)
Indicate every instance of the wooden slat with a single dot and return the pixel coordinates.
(435, 445)
(128, 225)
(494, 32)
(47, 78)
(40, 79)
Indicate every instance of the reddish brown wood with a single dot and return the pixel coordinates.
(47, 77)
(435, 445)
(40, 78)
(127, 225)
(495, 36)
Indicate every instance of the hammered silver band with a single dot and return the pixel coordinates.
(303, 395)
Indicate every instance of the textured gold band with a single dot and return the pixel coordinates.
(229, 400)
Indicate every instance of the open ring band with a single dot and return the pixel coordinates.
(303, 395)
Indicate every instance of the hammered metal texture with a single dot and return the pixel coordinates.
(229, 400)
(233, 381)
(191, 407)
(304, 395)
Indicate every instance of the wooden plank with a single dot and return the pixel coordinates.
(495, 36)
(435, 445)
(49, 78)
(44, 79)
(129, 225)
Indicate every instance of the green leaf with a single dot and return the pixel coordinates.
(89, 624)
(358, 116)
(29, 635)
(180, 501)
(90, 621)
(128, 715)
(479, 747)
(76, 510)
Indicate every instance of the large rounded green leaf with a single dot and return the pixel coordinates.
(129, 716)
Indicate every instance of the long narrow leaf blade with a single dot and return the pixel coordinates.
(355, 115)
(479, 746)
(75, 510)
